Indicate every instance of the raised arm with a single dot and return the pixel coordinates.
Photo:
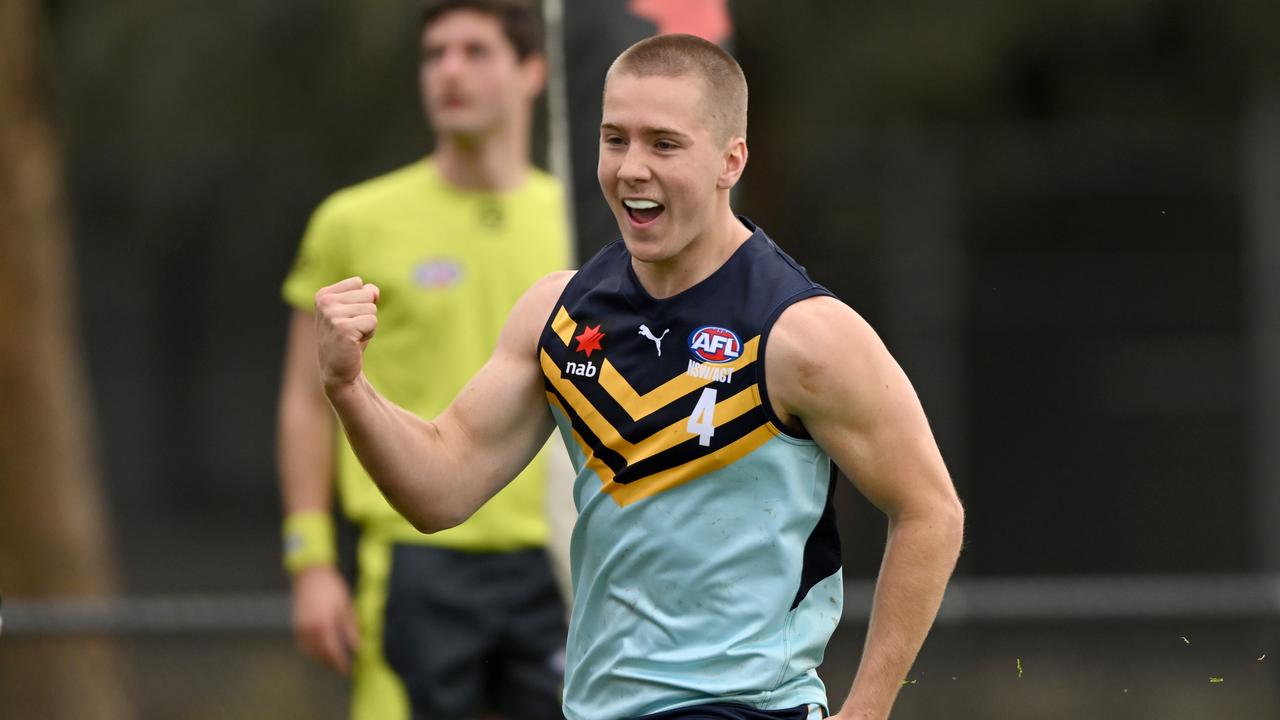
(438, 472)
(828, 371)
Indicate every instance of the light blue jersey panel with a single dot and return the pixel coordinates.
(686, 597)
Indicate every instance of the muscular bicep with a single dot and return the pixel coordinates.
(499, 420)
(829, 371)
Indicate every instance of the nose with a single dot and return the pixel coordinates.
(633, 167)
(449, 63)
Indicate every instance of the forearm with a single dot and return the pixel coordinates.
(305, 454)
(403, 453)
(920, 555)
(305, 461)
(304, 429)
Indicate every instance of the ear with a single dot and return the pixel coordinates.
(534, 69)
(735, 161)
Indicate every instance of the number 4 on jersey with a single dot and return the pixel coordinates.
(702, 422)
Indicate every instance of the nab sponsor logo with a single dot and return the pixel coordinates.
(715, 345)
(587, 369)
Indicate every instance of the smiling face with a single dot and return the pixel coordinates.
(471, 77)
(663, 170)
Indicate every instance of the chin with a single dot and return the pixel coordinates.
(649, 250)
(459, 125)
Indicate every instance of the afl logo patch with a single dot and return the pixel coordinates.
(715, 345)
(437, 273)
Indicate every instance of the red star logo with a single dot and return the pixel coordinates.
(590, 339)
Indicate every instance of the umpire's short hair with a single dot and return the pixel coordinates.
(521, 22)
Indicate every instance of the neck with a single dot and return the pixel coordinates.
(699, 259)
(498, 161)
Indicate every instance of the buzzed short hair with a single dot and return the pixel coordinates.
(678, 55)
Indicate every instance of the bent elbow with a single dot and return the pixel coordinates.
(427, 527)
(953, 521)
(435, 520)
(430, 525)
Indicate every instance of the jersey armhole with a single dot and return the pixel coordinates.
(780, 427)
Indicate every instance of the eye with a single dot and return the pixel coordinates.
(614, 141)
(432, 54)
(665, 145)
(477, 51)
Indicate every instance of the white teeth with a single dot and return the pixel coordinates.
(640, 204)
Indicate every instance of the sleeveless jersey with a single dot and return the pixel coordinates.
(705, 559)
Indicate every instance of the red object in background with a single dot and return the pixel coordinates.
(708, 19)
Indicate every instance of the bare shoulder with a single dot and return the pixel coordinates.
(818, 334)
(532, 310)
(540, 299)
(548, 288)
(820, 352)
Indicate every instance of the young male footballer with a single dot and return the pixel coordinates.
(706, 389)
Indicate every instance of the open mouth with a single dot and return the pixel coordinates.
(643, 212)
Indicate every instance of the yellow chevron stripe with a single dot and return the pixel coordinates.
(638, 406)
(662, 440)
(637, 490)
(596, 464)
(564, 325)
(625, 494)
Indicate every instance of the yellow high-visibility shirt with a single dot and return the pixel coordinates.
(450, 264)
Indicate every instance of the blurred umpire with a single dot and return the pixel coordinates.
(468, 622)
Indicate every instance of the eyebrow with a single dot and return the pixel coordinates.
(648, 130)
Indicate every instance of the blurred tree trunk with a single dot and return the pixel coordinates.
(53, 535)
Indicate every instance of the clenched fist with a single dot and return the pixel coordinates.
(346, 316)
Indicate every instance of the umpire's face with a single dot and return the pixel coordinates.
(473, 83)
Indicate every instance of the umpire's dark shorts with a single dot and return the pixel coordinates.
(471, 634)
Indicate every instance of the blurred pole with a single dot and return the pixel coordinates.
(558, 111)
(925, 269)
(53, 535)
(562, 513)
(1261, 163)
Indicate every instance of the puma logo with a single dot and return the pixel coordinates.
(645, 331)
